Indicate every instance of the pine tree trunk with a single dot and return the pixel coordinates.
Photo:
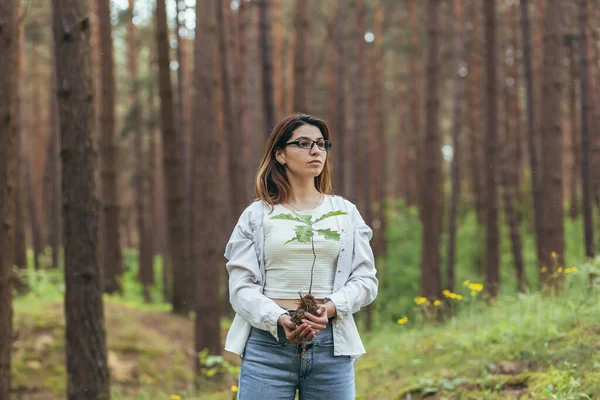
(86, 360)
(491, 119)
(8, 161)
(456, 133)
(430, 190)
(111, 256)
(20, 240)
(34, 218)
(172, 171)
(474, 103)
(339, 72)
(534, 162)
(574, 208)
(206, 174)
(301, 29)
(359, 167)
(253, 113)
(585, 132)
(414, 168)
(266, 46)
(54, 158)
(551, 134)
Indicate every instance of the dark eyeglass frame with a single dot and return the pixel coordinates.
(326, 144)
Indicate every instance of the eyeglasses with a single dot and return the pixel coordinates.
(307, 144)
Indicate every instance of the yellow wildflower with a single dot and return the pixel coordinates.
(473, 293)
(447, 293)
(574, 269)
(543, 269)
(568, 270)
(553, 254)
(559, 270)
(436, 303)
(420, 300)
(234, 388)
(175, 397)
(458, 297)
(402, 321)
(478, 287)
(466, 283)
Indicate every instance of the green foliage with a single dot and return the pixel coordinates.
(305, 231)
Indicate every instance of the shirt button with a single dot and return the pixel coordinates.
(339, 271)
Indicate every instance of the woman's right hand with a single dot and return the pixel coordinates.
(295, 335)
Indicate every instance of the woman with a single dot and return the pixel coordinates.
(266, 274)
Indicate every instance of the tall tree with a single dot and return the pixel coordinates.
(459, 74)
(585, 134)
(111, 244)
(54, 163)
(358, 168)
(20, 242)
(551, 135)
(8, 160)
(430, 189)
(301, 30)
(172, 168)
(474, 102)
(207, 244)
(532, 143)
(340, 72)
(145, 272)
(265, 39)
(416, 104)
(491, 129)
(86, 361)
(574, 206)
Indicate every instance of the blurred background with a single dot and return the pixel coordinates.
(466, 132)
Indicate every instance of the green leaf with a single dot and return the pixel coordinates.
(330, 214)
(328, 234)
(305, 218)
(288, 217)
(291, 240)
(304, 233)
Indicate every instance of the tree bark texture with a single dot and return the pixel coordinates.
(8, 161)
(585, 132)
(206, 184)
(182, 282)
(430, 190)
(574, 131)
(265, 39)
(491, 139)
(86, 361)
(301, 29)
(111, 256)
(551, 135)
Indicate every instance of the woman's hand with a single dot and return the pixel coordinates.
(318, 322)
(295, 335)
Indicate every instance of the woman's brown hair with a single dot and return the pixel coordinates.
(272, 185)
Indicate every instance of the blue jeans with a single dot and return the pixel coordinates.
(274, 369)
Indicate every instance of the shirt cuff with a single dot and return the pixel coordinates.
(341, 304)
(272, 322)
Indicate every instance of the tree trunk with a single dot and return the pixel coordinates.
(253, 113)
(491, 119)
(359, 168)
(585, 132)
(206, 175)
(266, 45)
(111, 257)
(54, 158)
(172, 167)
(474, 100)
(20, 240)
(301, 29)
(34, 217)
(431, 192)
(551, 135)
(574, 207)
(8, 160)
(339, 72)
(86, 361)
(508, 168)
(459, 75)
(533, 151)
(145, 269)
(414, 168)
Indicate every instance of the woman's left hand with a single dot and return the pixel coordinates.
(318, 322)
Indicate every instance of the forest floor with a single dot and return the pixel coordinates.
(525, 347)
